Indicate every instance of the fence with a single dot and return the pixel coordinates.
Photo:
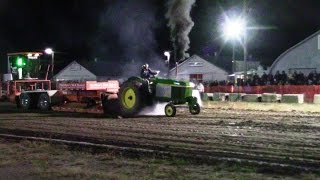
(308, 90)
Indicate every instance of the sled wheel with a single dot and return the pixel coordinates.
(91, 103)
(17, 100)
(194, 108)
(170, 110)
(110, 105)
(44, 102)
(25, 101)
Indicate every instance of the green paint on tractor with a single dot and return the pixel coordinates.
(179, 90)
(147, 92)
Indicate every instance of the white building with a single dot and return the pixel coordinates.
(241, 65)
(196, 68)
(75, 72)
(304, 57)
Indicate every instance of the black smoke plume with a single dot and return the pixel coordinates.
(127, 36)
(180, 24)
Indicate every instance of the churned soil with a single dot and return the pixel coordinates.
(284, 142)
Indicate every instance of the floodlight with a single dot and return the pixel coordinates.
(48, 51)
(234, 28)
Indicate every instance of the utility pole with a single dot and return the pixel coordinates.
(245, 56)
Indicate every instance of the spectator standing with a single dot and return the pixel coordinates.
(277, 78)
(255, 79)
(264, 79)
(295, 78)
(284, 78)
(270, 80)
(200, 88)
(301, 79)
(317, 78)
(311, 78)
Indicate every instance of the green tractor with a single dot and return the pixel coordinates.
(137, 93)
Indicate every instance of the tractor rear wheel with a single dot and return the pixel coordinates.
(44, 102)
(194, 108)
(129, 99)
(170, 110)
(25, 101)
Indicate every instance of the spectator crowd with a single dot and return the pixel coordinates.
(295, 78)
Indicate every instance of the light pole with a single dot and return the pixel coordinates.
(167, 54)
(233, 59)
(235, 29)
(245, 56)
(49, 51)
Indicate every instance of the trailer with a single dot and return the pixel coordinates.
(68, 96)
(27, 84)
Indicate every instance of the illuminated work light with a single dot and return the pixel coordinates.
(20, 62)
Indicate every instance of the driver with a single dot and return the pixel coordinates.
(146, 72)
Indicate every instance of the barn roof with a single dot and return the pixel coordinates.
(199, 58)
(292, 48)
(69, 66)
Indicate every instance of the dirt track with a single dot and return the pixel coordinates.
(275, 139)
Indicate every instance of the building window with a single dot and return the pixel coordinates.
(195, 64)
(196, 77)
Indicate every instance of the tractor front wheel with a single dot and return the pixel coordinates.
(194, 108)
(170, 110)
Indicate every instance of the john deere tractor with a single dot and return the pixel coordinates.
(136, 93)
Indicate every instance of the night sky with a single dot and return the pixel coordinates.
(123, 30)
